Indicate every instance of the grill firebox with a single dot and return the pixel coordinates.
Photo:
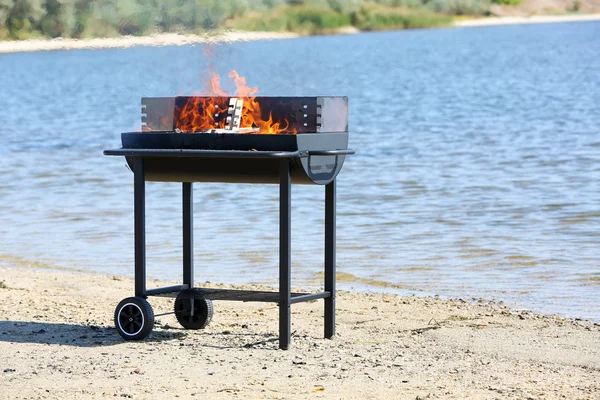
(284, 140)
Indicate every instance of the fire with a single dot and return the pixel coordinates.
(201, 114)
(204, 114)
(164, 120)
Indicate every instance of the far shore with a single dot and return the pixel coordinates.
(534, 19)
(158, 40)
(174, 39)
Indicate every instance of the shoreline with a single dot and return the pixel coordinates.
(345, 282)
(534, 19)
(57, 340)
(158, 40)
(174, 39)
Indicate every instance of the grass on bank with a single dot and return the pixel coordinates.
(376, 17)
(307, 20)
(312, 20)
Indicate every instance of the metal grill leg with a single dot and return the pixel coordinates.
(285, 282)
(139, 194)
(188, 235)
(330, 259)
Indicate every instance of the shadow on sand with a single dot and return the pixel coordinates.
(72, 334)
(98, 336)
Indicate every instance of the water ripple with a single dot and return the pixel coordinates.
(476, 173)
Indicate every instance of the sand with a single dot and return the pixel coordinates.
(534, 19)
(57, 341)
(166, 39)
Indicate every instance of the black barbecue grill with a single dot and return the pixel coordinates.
(310, 148)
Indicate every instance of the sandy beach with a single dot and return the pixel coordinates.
(534, 19)
(165, 39)
(57, 341)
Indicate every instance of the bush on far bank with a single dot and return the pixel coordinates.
(302, 19)
(507, 2)
(462, 7)
(374, 17)
(21, 19)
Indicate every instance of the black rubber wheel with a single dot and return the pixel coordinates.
(134, 318)
(203, 309)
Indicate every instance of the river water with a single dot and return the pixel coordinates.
(477, 171)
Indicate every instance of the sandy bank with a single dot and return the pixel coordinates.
(169, 39)
(57, 342)
(535, 19)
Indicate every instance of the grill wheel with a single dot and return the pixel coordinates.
(203, 309)
(134, 318)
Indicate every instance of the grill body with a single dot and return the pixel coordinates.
(307, 167)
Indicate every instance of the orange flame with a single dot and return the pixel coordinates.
(202, 114)
(199, 114)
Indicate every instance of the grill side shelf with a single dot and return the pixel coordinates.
(224, 153)
(205, 153)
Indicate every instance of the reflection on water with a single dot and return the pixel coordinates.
(476, 174)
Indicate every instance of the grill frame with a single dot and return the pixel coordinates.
(249, 158)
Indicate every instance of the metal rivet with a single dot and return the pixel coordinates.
(305, 124)
(305, 106)
(305, 115)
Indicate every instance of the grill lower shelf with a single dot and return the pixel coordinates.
(237, 295)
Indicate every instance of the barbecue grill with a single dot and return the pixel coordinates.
(284, 140)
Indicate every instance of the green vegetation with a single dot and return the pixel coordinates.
(301, 19)
(21, 19)
(376, 17)
(460, 7)
(507, 2)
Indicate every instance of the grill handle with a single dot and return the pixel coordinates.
(322, 166)
(344, 152)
